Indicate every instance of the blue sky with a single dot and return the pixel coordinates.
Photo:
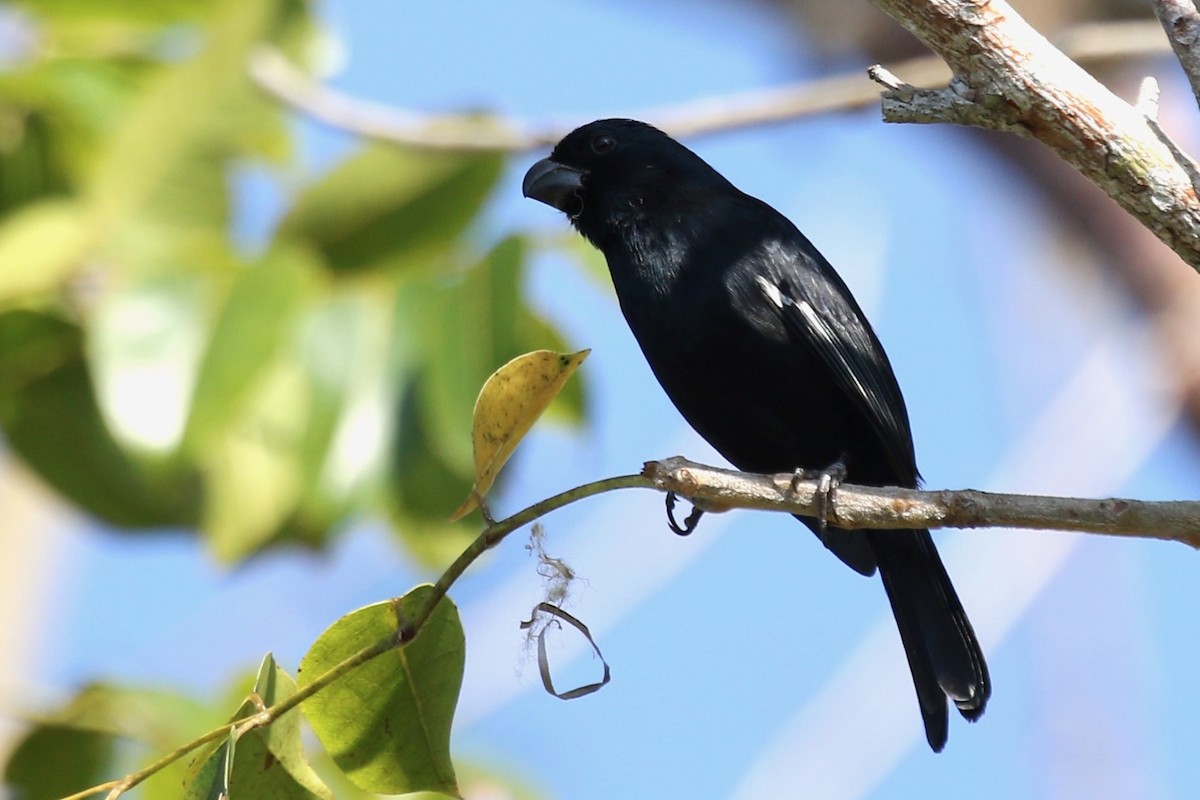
(747, 662)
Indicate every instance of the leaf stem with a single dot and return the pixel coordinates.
(492, 535)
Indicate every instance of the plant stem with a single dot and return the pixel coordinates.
(491, 536)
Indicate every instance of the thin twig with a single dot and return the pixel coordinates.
(495, 534)
(93, 790)
(256, 720)
(490, 537)
(278, 76)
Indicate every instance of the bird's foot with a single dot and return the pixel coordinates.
(801, 474)
(689, 524)
(828, 480)
(827, 485)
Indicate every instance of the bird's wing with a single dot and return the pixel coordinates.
(818, 310)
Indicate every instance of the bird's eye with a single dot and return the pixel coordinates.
(603, 143)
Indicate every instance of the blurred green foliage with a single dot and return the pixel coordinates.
(160, 375)
(102, 733)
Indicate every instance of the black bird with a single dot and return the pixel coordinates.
(761, 347)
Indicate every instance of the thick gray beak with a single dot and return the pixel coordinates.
(554, 184)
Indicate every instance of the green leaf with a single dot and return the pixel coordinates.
(258, 314)
(385, 207)
(40, 245)
(344, 345)
(30, 167)
(181, 110)
(211, 777)
(144, 343)
(423, 489)
(466, 330)
(476, 780)
(183, 226)
(254, 472)
(89, 739)
(267, 762)
(270, 761)
(79, 101)
(54, 760)
(132, 10)
(157, 718)
(50, 417)
(387, 723)
(453, 336)
(302, 435)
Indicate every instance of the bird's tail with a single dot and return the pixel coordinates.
(942, 651)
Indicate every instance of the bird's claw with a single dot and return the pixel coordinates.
(689, 524)
(800, 474)
(828, 482)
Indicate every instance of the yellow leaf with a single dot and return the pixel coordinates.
(509, 403)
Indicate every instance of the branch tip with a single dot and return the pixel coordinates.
(885, 78)
(1147, 98)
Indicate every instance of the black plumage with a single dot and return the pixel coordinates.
(764, 351)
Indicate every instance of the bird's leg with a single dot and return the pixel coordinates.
(828, 482)
(689, 524)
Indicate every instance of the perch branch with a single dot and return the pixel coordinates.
(884, 508)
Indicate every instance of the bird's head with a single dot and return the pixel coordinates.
(610, 173)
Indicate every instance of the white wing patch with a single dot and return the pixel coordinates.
(771, 291)
(815, 326)
(782, 301)
(815, 323)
